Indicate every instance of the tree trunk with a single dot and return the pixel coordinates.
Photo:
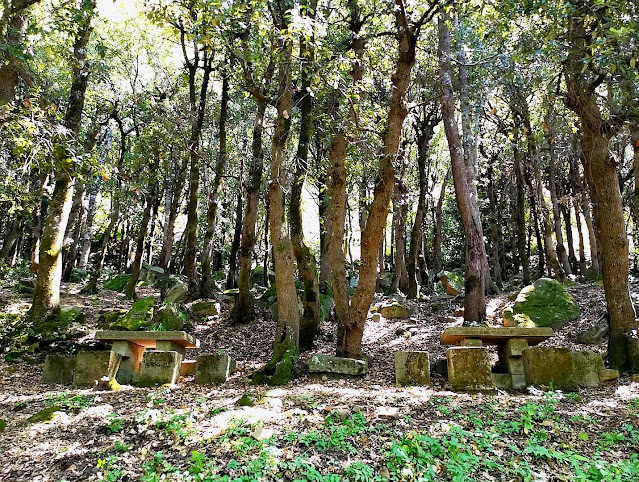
(139, 249)
(231, 278)
(46, 294)
(424, 131)
(73, 232)
(552, 187)
(207, 287)
(326, 228)
(287, 333)
(438, 263)
(494, 224)
(565, 211)
(634, 138)
(400, 213)
(350, 332)
(92, 287)
(466, 196)
(306, 262)
(520, 216)
(197, 110)
(603, 185)
(244, 309)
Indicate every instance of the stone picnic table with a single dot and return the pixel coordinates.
(510, 341)
(131, 346)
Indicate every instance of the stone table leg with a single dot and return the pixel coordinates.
(132, 363)
(510, 359)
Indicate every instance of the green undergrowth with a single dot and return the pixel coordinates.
(454, 442)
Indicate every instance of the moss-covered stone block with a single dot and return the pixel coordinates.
(469, 369)
(169, 318)
(587, 365)
(160, 368)
(205, 308)
(212, 369)
(395, 310)
(608, 375)
(58, 369)
(89, 367)
(139, 317)
(412, 368)
(332, 364)
(550, 366)
(117, 283)
(179, 293)
(46, 415)
(72, 314)
(547, 303)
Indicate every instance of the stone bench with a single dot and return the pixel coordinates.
(162, 365)
(510, 341)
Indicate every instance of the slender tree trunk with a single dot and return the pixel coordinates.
(400, 213)
(438, 263)
(244, 310)
(326, 228)
(634, 138)
(603, 184)
(73, 232)
(231, 278)
(520, 216)
(552, 187)
(494, 224)
(565, 211)
(208, 283)
(92, 287)
(583, 267)
(474, 285)
(139, 249)
(424, 130)
(46, 294)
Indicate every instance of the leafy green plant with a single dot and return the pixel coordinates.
(121, 447)
(114, 424)
(68, 401)
(111, 470)
(361, 472)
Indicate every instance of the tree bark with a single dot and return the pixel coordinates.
(231, 278)
(136, 266)
(400, 213)
(520, 215)
(46, 294)
(438, 262)
(603, 185)
(207, 287)
(466, 196)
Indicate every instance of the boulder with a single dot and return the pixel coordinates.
(412, 368)
(178, 294)
(168, 318)
(326, 306)
(204, 309)
(117, 283)
(139, 317)
(72, 314)
(395, 310)
(587, 366)
(550, 366)
(333, 364)
(546, 303)
(211, 369)
(58, 369)
(110, 318)
(469, 369)
(512, 319)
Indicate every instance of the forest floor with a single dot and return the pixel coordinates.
(317, 427)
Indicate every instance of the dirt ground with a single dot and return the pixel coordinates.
(82, 440)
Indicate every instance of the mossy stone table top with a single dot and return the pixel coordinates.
(494, 336)
(149, 339)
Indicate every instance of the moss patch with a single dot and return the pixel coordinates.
(546, 303)
(44, 416)
(140, 316)
(117, 283)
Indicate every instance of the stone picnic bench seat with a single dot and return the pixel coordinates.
(469, 363)
(162, 365)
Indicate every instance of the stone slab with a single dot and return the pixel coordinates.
(211, 369)
(550, 366)
(159, 368)
(148, 339)
(58, 369)
(469, 369)
(90, 366)
(333, 364)
(608, 374)
(412, 368)
(493, 336)
(587, 365)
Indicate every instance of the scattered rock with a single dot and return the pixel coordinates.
(594, 335)
(547, 303)
(47, 415)
(246, 400)
(169, 317)
(634, 379)
(72, 314)
(262, 433)
(395, 310)
(451, 283)
(140, 316)
(388, 413)
(117, 283)
(376, 317)
(332, 364)
(205, 308)
(178, 294)
(608, 374)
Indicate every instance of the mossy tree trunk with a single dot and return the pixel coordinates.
(46, 294)
(306, 262)
(279, 369)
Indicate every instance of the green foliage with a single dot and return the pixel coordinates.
(71, 402)
(117, 283)
(114, 424)
(178, 425)
(547, 305)
(110, 469)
